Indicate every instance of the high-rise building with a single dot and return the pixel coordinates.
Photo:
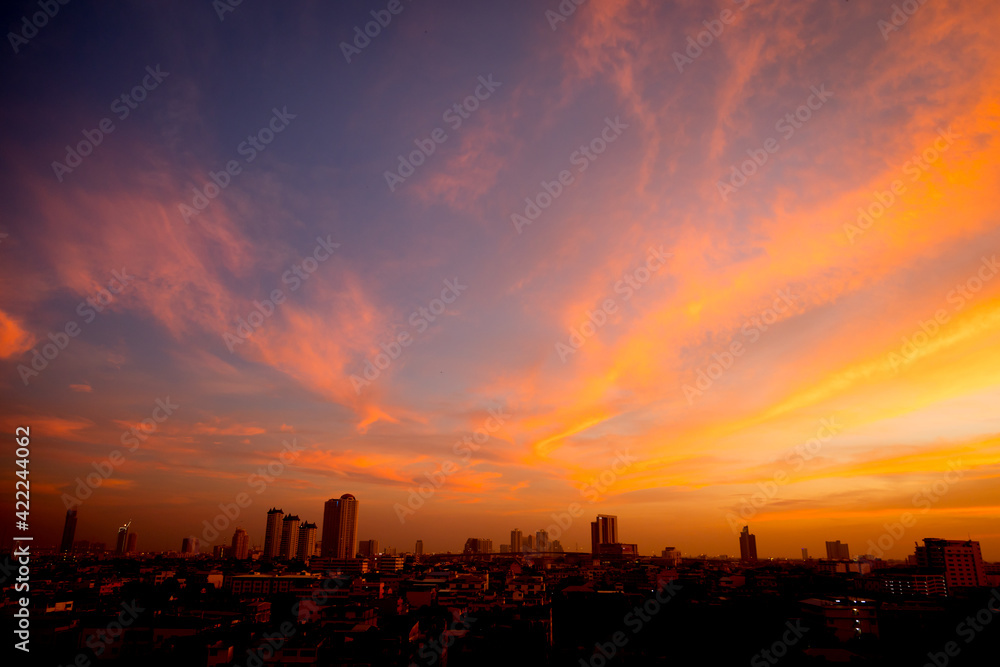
(528, 542)
(69, 531)
(240, 544)
(307, 541)
(133, 539)
(190, 546)
(289, 537)
(603, 531)
(505, 548)
(340, 527)
(121, 544)
(478, 545)
(837, 551)
(748, 546)
(515, 540)
(805, 553)
(368, 548)
(542, 541)
(960, 560)
(272, 534)
(419, 550)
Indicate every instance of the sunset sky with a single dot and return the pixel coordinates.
(873, 347)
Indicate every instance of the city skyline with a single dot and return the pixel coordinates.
(496, 264)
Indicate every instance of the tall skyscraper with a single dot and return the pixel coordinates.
(340, 527)
(289, 537)
(603, 531)
(133, 539)
(542, 541)
(368, 548)
(960, 560)
(307, 541)
(190, 546)
(272, 534)
(122, 542)
(240, 544)
(805, 553)
(837, 551)
(528, 542)
(515, 540)
(69, 531)
(419, 549)
(748, 546)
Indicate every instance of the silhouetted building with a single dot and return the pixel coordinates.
(478, 545)
(368, 548)
(748, 546)
(133, 539)
(542, 541)
(419, 549)
(603, 531)
(272, 534)
(515, 541)
(190, 546)
(847, 618)
(307, 541)
(240, 547)
(69, 531)
(960, 560)
(121, 544)
(289, 537)
(340, 527)
(837, 551)
(805, 554)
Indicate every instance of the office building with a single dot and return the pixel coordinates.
(368, 548)
(542, 541)
(748, 546)
(307, 541)
(133, 539)
(515, 541)
(69, 531)
(528, 543)
(240, 545)
(805, 554)
(419, 549)
(960, 560)
(272, 534)
(190, 546)
(121, 544)
(340, 527)
(289, 537)
(837, 551)
(603, 531)
(478, 545)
